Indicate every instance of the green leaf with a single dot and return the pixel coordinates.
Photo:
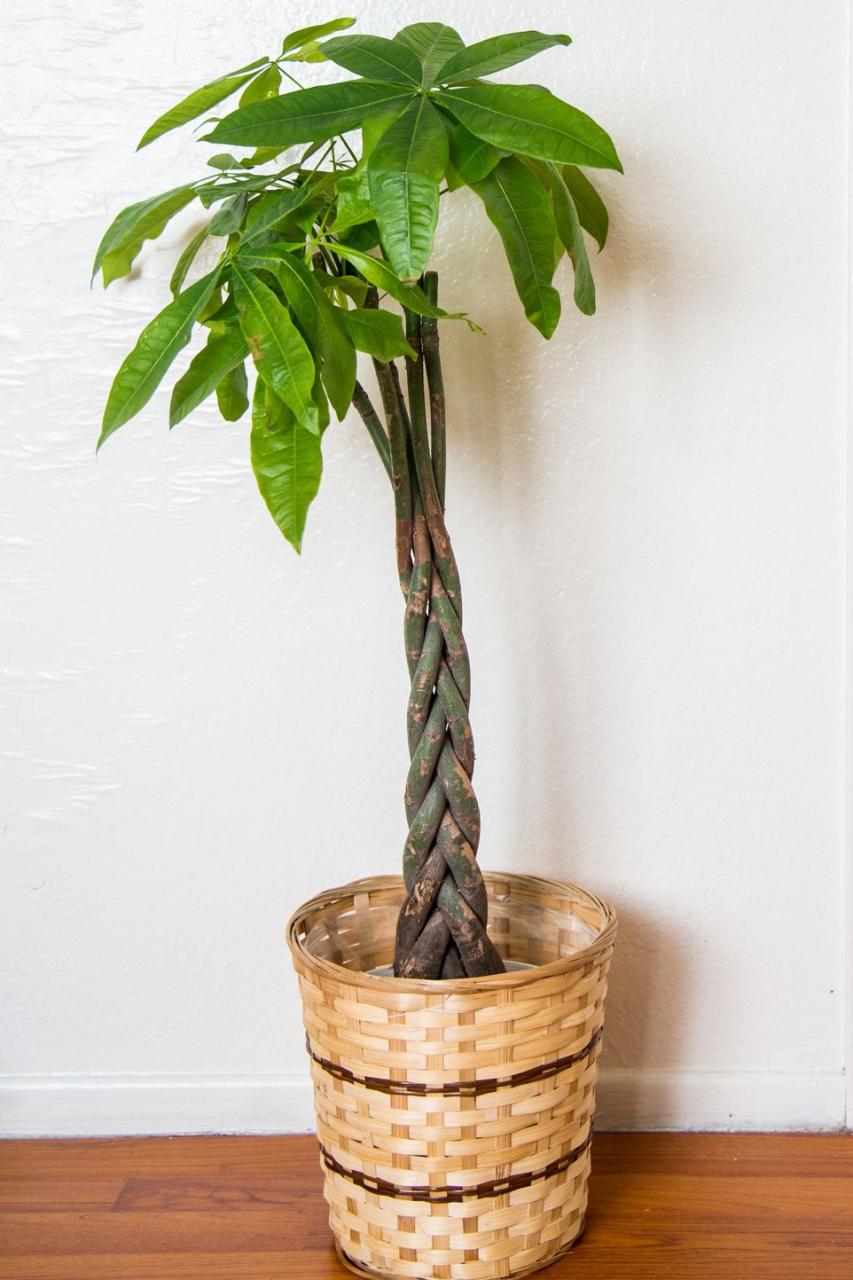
(592, 210)
(353, 203)
(375, 58)
(288, 463)
(308, 115)
(266, 406)
(298, 39)
(158, 344)
(404, 172)
(222, 160)
(186, 260)
(353, 286)
(232, 394)
(471, 157)
(327, 334)
(364, 237)
(322, 404)
(271, 209)
(320, 321)
(378, 332)
(195, 105)
(119, 263)
(487, 56)
(531, 121)
(142, 221)
(263, 86)
(373, 129)
(311, 52)
(519, 207)
(571, 235)
(277, 347)
(377, 272)
(215, 361)
(215, 313)
(229, 217)
(219, 316)
(210, 193)
(433, 43)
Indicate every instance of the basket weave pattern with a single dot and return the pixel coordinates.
(454, 1118)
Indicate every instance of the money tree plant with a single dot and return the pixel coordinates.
(324, 225)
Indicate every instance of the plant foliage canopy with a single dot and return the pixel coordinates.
(326, 221)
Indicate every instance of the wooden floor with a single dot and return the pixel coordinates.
(686, 1206)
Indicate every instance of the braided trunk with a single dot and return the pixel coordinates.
(441, 931)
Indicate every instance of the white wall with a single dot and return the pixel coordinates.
(659, 677)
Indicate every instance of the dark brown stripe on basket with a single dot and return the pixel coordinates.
(457, 1088)
(451, 1194)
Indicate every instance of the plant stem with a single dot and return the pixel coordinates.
(376, 431)
(417, 413)
(435, 383)
(401, 481)
(441, 927)
(433, 510)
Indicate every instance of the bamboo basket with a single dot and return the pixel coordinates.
(454, 1117)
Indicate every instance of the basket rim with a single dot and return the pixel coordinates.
(450, 986)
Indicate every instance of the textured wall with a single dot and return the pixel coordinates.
(657, 496)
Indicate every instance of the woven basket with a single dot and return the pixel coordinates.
(454, 1117)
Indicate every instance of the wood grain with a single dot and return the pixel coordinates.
(682, 1206)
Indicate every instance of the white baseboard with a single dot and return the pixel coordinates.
(762, 1101)
(107, 1106)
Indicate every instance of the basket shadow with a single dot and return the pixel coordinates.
(647, 1021)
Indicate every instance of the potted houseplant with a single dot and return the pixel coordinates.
(453, 1019)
